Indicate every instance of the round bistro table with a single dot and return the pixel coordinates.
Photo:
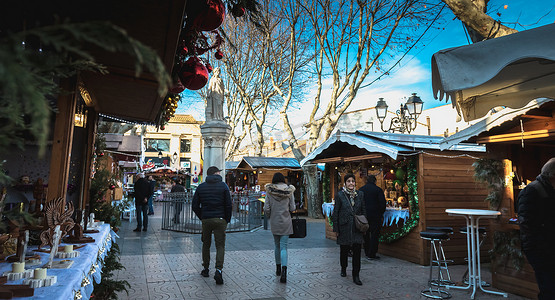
(472, 217)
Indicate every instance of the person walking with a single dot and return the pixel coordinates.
(374, 200)
(278, 206)
(152, 183)
(535, 207)
(142, 193)
(212, 205)
(349, 202)
(177, 188)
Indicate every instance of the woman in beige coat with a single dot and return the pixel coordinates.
(278, 206)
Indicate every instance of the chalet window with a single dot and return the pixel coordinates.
(156, 145)
(185, 146)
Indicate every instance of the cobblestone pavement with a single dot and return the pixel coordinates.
(163, 264)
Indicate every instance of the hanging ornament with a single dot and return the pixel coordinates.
(209, 67)
(400, 174)
(193, 74)
(207, 14)
(218, 55)
(238, 11)
(177, 86)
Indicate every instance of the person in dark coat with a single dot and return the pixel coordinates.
(177, 187)
(374, 199)
(278, 206)
(142, 193)
(535, 207)
(212, 205)
(349, 202)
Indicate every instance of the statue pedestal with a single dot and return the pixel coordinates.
(215, 133)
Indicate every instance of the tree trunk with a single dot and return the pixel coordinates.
(475, 17)
(314, 202)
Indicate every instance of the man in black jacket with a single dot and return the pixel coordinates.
(142, 193)
(535, 207)
(374, 199)
(212, 204)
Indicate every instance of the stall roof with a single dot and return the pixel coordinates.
(507, 71)
(389, 144)
(486, 124)
(230, 165)
(268, 162)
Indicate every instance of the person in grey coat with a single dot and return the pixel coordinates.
(278, 206)
(349, 202)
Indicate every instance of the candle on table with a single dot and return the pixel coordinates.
(40, 273)
(68, 248)
(18, 267)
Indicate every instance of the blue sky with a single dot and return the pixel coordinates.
(413, 75)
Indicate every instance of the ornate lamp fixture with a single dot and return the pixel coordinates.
(406, 116)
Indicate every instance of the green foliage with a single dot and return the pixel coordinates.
(506, 249)
(108, 213)
(29, 79)
(326, 194)
(107, 289)
(490, 172)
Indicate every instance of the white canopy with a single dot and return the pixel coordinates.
(508, 71)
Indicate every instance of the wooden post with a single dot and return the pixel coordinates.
(424, 259)
(62, 140)
(91, 136)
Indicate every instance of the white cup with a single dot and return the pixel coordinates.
(18, 267)
(40, 273)
(68, 248)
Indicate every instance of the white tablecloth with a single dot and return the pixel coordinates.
(73, 281)
(392, 215)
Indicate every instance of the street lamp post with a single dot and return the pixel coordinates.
(406, 115)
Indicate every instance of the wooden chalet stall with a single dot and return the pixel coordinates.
(515, 72)
(419, 181)
(253, 173)
(523, 150)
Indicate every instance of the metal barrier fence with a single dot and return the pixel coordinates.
(178, 215)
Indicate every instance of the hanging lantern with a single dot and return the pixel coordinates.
(193, 74)
(210, 14)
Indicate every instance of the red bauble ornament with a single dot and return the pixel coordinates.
(238, 11)
(184, 50)
(193, 74)
(177, 86)
(210, 14)
(209, 67)
(162, 127)
(112, 187)
(218, 54)
(389, 176)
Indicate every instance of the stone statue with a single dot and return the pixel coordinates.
(215, 98)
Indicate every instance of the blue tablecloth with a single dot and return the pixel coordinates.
(75, 282)
(392, 215)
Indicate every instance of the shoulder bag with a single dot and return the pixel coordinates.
(360, 221)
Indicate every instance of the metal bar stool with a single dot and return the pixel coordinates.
(482, 232)
(434, 289)
(444, 267)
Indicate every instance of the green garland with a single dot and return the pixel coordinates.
(326, 184)
(412, 222)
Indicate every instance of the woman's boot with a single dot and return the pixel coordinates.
(356, 279)
(278, 270)
(283, 278)
(343, 272)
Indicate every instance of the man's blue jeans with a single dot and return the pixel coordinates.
(142, 215)
(150, 206)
